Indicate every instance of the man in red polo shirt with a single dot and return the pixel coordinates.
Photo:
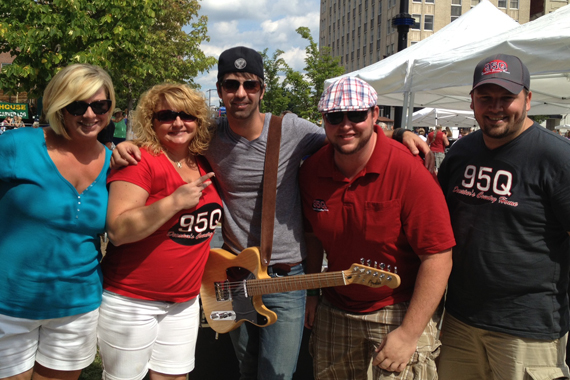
(360, 200)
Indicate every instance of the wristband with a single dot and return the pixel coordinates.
(313, 292)
(398, 134)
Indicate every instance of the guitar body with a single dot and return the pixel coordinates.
(227, 306)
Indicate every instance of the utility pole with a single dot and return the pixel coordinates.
(403, 21)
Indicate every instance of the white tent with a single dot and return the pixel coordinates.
(430, 117)
(390, 77)
(442, 79)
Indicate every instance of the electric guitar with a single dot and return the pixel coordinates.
(232, 287)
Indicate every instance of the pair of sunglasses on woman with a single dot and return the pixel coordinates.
(78, 108)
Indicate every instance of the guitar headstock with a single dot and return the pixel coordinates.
(372, 277)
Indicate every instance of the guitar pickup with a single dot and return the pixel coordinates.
(223, 315)
(222, 291)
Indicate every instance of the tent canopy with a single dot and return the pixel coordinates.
(430, 117)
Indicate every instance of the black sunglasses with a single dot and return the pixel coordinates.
(250, 86)
(78, 108)
(335, 118)
(169, 115)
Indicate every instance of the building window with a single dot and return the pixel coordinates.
(430, 1)
(502, 4)
(428, 22)
(417, 21)
(455, 9)
(514, 4)
(371, 47)
(388, 28)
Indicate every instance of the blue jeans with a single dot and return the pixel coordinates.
(271, 352)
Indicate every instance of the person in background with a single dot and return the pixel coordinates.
(437, 141)
(8, 123)
(53, 203)
(105, 137)
(162, 215)
(422, 134)
(507, 315)
(351, 190)
(120, 133)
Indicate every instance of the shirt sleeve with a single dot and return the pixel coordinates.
(140, 174)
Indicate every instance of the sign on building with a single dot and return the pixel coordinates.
(14, 109)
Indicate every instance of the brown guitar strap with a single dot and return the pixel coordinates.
(270, 188)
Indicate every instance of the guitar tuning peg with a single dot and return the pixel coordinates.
(368, 262)
(376, 264)
(382, 266)
(396, 270)
(388, 269)
(362, 260)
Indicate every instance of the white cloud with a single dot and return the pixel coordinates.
(258, 24)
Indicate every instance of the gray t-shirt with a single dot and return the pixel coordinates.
(238, 164)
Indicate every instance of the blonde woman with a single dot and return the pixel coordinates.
(53, 202)
(162, 215)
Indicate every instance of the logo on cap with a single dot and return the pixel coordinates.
(495, 67)
(240, 63)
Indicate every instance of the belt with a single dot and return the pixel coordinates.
(280, 268)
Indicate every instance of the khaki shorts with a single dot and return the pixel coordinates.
(342, 344)
(469, 353)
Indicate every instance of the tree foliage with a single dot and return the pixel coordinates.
(139, 42)
(291, 90)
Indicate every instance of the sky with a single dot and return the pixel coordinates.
(258, 24)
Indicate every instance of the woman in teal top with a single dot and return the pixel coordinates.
(53, 203)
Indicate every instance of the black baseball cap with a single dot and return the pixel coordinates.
(503, 70)
(240, 59)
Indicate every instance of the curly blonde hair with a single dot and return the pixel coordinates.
(181, 97)
(75, 82)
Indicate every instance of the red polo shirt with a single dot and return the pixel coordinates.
(391, 212)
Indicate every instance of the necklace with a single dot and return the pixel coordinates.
(178, 164)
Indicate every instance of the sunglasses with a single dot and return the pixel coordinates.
(78, 108)
(250, 86)
(335, 118)
(169, 115)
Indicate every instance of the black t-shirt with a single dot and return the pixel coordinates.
(510, 212)
(106, 134)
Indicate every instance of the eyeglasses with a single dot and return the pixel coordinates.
(335, 118)
(169, 115)
(250, 86)
(78, 108)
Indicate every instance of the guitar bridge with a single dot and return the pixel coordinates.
(223, 292)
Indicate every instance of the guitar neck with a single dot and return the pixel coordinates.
(291, 283)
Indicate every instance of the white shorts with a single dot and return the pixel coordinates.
(64, 344)
(137, 335)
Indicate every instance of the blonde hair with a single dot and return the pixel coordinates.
(75, 82)
(178, 96)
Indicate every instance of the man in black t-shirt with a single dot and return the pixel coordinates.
(506, 187)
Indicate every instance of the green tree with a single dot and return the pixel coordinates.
(275, 99)
(320, 65)
(139, 42)
(300, 99)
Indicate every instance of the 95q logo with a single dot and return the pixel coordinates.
(319, 205)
